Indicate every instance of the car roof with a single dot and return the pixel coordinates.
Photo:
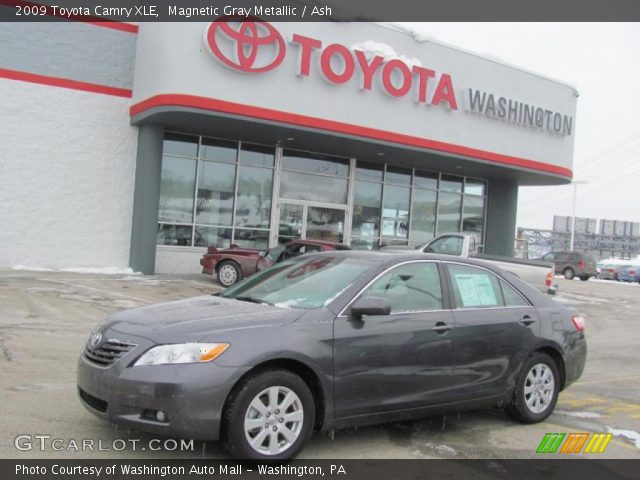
(392, 257)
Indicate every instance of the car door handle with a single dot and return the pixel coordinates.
(442, 327)
(526, 320)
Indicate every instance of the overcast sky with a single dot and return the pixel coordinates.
(602, 61)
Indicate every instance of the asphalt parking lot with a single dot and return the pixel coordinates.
(45, 318)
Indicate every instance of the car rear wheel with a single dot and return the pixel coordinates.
(268, 417)
(228, 274)
(569, 273)
(536, 391)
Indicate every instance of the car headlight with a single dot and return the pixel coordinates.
(182, 353)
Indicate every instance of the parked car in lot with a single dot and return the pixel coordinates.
(233, 264)
(572, 264)
(629, 274)
(611, 271)
(536, 272)
(329, 340)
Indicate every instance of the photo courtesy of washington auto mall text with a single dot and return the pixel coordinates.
(342, 238)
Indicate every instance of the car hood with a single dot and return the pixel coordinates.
(195, 318)
(246, 252)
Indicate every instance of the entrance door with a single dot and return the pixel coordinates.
(311, 221)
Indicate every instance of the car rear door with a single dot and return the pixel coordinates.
(495, 328)
(398, 361)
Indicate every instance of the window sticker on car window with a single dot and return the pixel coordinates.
(475, 290)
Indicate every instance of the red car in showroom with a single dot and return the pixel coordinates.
(233, 264)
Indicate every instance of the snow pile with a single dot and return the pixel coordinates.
(577, 414)
(628, 434)
(99, 270)
(372, 49)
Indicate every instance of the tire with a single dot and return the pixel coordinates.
(229, 273)
(568, 273)
(242, 421)
(584, 278)
(527, 406)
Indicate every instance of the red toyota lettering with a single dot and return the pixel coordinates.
(387, 80)
(424, 74)
(368, 69)
(307, 45)
(347, 60)
(444, 93)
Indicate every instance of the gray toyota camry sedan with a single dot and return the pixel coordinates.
(330, 340)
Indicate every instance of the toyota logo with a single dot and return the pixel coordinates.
(96, 338)
(248, 45)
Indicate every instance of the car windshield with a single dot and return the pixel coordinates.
(274, 253)
(309, 282)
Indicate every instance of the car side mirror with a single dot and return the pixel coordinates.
(263, 253)
(370, 306)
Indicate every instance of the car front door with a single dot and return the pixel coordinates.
(399, 361)
(496, 327)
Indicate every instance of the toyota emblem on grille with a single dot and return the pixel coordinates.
(249, 45)
(96, 338)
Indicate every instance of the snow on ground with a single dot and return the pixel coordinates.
(577, 414)
(100, 270)
(628, 434)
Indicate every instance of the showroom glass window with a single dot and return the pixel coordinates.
(314, 177)
(367, 205)
(399, 206)
(214, 192)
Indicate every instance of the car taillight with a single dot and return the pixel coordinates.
(212, 249)
(632, 272)
(578, 321)
(581, 264)
(549, 279)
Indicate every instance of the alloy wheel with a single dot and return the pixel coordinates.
(273, 420)
(539, 388)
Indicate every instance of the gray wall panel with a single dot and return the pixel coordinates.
(73, 50)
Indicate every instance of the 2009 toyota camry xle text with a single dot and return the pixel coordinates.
(330, 340)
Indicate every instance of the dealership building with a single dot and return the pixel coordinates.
(140, 145)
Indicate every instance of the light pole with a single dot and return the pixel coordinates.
(573, 213)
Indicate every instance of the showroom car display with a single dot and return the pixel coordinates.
(231, 265)
(329, 340)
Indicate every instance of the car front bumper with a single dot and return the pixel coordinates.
(208, 265)
(191, 396)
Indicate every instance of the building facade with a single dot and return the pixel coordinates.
(140, 146)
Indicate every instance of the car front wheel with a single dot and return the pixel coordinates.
(569, 273)
(536, 391)
(269, 416)
(228, 274)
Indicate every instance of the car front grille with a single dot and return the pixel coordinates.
(93, 402)
(107, 353)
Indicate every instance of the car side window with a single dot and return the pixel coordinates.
(548, 257)
(293, 251)
(451, 245)
(475, 287)
(574, 257)
(561, 257)
(511, 297)
(311, 248)
(410, 287)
